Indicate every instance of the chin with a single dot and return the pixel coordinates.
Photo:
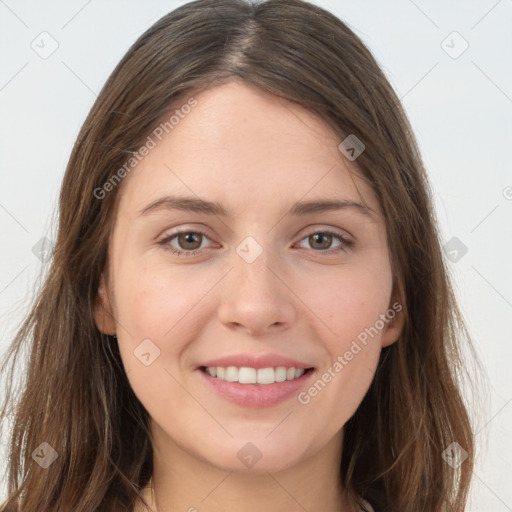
(255, 456)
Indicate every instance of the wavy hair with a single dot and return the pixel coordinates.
(75, 395)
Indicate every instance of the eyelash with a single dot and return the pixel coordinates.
(345, 242)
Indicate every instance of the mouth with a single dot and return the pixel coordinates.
(255, 388)
(256, 376)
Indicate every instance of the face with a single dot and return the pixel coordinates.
(260, 277)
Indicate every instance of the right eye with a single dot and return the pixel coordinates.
(187, 241)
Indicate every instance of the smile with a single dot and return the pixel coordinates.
(248, 375)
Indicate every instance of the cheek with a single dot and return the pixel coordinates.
(351, 303)
(154, 300)
(157, 316)
(156, 304)
(351, 307)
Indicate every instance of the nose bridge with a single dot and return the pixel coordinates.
(253, 269)
(255, 296)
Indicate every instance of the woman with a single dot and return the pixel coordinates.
(253, 369)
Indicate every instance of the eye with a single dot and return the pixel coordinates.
(189, 242)
(322, 241)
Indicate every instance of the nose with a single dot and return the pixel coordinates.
(256, 297)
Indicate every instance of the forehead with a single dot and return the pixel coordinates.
(239, 145)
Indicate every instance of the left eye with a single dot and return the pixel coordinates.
(323, 240)
(190, 242)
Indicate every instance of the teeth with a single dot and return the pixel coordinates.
(231, 374)
(265, 375)
(245, 375)
(280, 374)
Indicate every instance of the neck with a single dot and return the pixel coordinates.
(191, 484)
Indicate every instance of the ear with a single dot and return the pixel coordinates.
(103, 313)
(394, 326)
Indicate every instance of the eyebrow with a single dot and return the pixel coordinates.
(300, 208)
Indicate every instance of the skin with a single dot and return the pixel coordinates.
(256, 154)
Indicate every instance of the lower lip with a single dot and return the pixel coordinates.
(256, 395)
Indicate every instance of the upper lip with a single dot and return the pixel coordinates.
(256, 361)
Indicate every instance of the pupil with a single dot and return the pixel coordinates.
(189, 238)
(326, 239)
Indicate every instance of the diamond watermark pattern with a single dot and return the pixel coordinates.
(351, 147)
(45, 45)
(454, 45)
(43, 249)
(454, 455)
(455, 249)
(249, 455)
(45, 455)
(249, 249)
(146, 352)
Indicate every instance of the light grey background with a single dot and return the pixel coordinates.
(460, 107)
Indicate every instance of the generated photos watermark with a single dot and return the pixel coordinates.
(357, 345)
(152, 141)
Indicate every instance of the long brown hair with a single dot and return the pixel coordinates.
(75, 395)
